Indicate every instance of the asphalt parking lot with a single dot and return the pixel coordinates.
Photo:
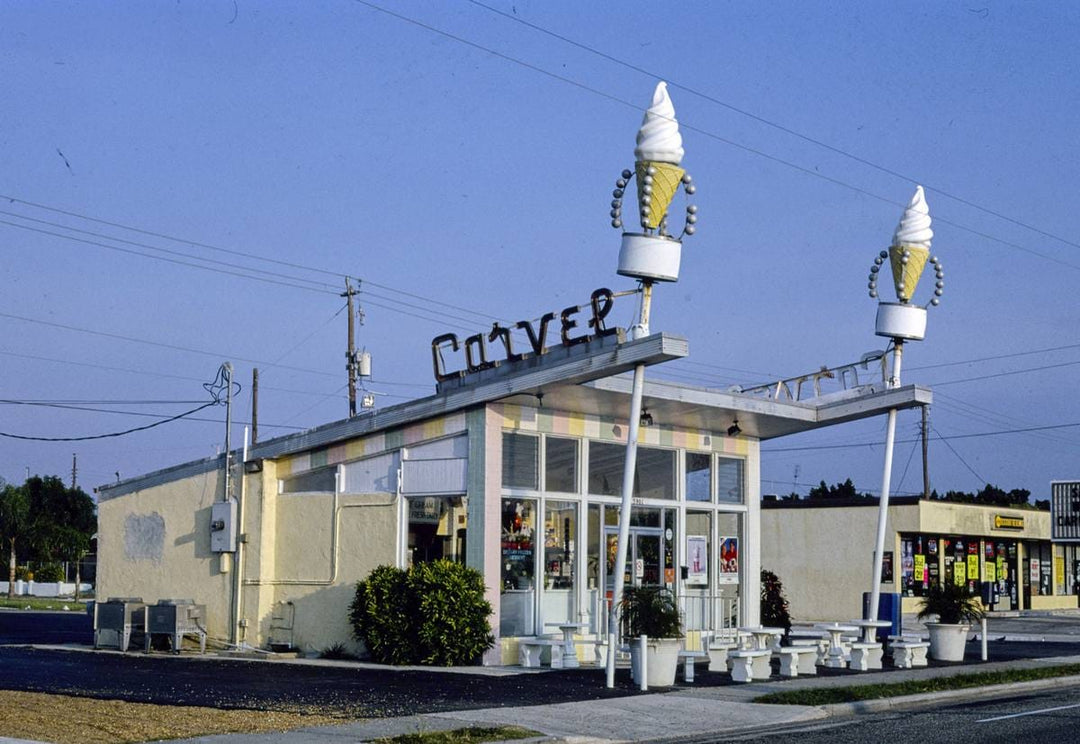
(352, 690)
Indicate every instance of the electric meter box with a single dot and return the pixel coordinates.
(223, 526)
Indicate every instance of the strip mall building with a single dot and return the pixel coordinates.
(514, 469)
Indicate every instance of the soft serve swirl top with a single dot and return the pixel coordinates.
(659, 140)
(914, 228)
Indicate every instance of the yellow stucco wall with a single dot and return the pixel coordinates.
(824, 556)
(308, 571)
(155, 544)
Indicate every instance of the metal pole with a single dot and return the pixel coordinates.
(624, 517)
(227, 367)
(886, 477)
(629, 467)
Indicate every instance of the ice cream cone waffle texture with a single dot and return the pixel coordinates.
(906, 275)
(666, 178)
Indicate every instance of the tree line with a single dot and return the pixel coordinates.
(989, 495)
(44, 523)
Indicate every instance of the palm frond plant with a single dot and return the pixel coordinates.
(650, 611)
(951, 604)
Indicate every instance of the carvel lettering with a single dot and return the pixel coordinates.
(479, 346)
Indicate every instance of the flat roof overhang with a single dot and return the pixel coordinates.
(672, 404)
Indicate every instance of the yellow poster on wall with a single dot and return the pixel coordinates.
(990, 573)
(920, 568)
(973, 567)
(960, 573)
(1059, 572)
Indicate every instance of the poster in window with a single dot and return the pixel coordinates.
(973, 567)
(697, 560)
(920, 568)
(729, 560)
(886, 567)
(959, 573)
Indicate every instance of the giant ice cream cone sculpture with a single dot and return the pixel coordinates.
(654, 254)
(911, 246)
(907, 257)
(657, 156)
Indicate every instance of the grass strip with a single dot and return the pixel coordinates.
(41, 603)
(855, 693)
(470, 735)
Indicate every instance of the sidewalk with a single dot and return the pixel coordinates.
(685, 712)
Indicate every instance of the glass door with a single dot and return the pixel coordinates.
(644, 557)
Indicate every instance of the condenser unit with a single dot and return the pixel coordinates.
(122, 616)
(176, 618)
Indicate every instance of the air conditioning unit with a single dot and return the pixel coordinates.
(176, 618)
(121, 616)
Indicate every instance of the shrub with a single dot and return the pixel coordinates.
(452, 613)
(434, 613)
(381, 617)
(774, 606)
(22, 573)
(337, 652)
(48, 573)
(650, 611)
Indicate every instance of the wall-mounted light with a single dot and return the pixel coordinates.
(646, 417)
(734, 430)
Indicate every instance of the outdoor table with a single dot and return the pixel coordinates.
(763, 636)
(569, 657)
(836, 650)
(869, 628)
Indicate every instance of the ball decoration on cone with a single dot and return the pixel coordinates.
(907, 257)
(654, 253)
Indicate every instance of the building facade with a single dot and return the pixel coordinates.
(1004, 555)
(515, 471)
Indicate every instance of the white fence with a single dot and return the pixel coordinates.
(44, 589)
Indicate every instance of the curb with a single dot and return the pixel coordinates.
(936, 699)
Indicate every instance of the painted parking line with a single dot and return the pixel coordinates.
(1028, 713)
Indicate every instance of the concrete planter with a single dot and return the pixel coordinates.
(661, 661)
(947, 642)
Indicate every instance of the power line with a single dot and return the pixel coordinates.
(704, 132)
(995, 357)
(111, 434)
(774, 125)
(242, 254)
(958, 457)
(851, 445)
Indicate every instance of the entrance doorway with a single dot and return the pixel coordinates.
(644, 557)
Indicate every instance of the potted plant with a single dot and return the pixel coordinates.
(955, 611)
(652, 611)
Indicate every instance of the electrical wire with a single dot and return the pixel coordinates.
(775, 125)
(706, 133)
(952, 449)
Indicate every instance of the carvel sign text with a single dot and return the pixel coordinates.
(476, 346)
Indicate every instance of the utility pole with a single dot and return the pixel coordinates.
(74, 468)
(254, 405)
(925, 471)
(350, 355)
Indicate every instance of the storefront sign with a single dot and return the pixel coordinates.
(1002, 522)
(1065, 511)
(476, 347)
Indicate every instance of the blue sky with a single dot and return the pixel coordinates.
(460, 162)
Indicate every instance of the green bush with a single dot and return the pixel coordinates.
(381, 616)
(952, 605)
(22, 573)
(774, 606)
(434, 613)
(452, 612)
(48, 573)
